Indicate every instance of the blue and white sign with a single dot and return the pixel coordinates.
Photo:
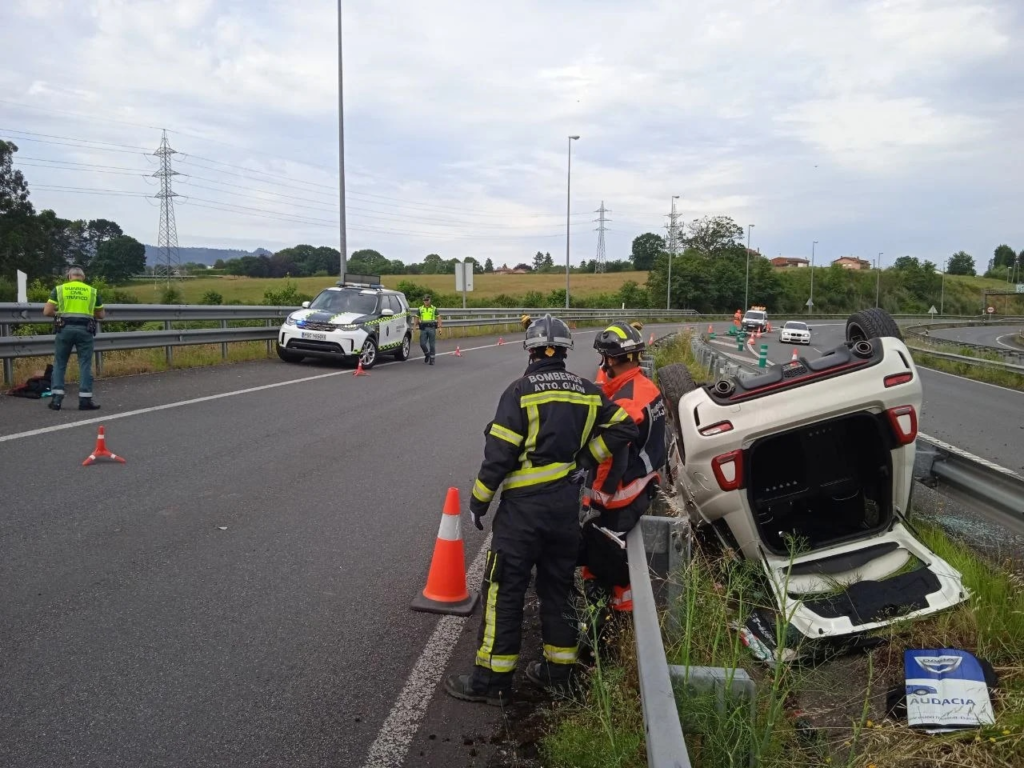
(946, 690)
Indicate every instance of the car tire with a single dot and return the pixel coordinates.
(289, 357)
(404, 349)
(871, 324)
(674, 381)
(368, 357)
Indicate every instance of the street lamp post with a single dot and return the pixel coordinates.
(746, 289)
(671, 251)
(810, 302)
(878, 277)
(342, 244)
(942, 295)
(568, 188)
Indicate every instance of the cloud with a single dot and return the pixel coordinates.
(807, 119)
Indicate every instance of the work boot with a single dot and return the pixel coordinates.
(461, 687)
(426, 359)
(86, 404)
(431, 359)
(55, 401)
(555, 678)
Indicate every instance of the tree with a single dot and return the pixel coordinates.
(906, 263)
(549, 263)
(431, 264)
(368, 262)
(1004, 256)
(713, 235)
(97, 232)
(538, 261)
(646, 248)
(118, 259)
(961, 263)
(16, 214)
(488, 266)
(219, 264)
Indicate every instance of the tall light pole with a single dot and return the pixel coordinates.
(878, 277)
(942, 295)
(746, 290)
(568, 188)
(671, 250)
(810, 301)
(342, 244)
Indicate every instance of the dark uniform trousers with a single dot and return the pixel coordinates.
(542, 530)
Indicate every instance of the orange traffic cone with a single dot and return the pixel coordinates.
(651, 340)
(446, 590)
(710, 328)
(100, 451)
(458, 352)
(359, 371)
(500, 341)
(794, 358)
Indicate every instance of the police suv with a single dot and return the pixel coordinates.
(358, 318)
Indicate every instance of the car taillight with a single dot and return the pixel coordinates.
(904, 423)
(717, 429)
(728, 469)
(898, 378)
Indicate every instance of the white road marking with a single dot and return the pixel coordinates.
(392, 743)
(205, 399)
(1001, 343)
(971, 381)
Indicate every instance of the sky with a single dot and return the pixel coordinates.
(889, 126)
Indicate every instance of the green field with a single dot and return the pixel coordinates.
(250, 290)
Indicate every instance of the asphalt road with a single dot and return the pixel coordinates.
(983, 419)
(238, 592)
(999, 336)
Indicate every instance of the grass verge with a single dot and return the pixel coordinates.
(830, 714)
(983, 373)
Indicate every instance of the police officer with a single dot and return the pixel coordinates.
(550, 427)
(428, 322)
(77, 307)
(618, 509)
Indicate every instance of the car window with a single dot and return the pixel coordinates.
(345, 301)
(797, 326)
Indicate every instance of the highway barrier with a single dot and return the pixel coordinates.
(978, 361)
(918, 334)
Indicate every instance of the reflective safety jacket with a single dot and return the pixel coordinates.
(642, 400)
(428, 314)
(75, 299)
(548, 423)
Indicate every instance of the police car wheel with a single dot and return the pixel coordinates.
(289, 357)
(368, 357)
(405, 349)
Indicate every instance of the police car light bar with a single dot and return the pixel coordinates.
(360, 281)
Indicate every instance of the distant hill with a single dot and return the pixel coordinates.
(203, 255)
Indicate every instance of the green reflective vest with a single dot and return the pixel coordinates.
(75, 298)
(428, 314)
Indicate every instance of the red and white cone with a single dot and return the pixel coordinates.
(360, 371)
(794, 358)
(446, 590)
(458, 352)
(100, 451)
(500, 341)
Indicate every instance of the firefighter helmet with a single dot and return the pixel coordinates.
(618, 340)
(547, 331)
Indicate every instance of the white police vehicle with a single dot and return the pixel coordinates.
(808, 468)
(795, 332)
(357, 319)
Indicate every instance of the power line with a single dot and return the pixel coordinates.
(599, 265)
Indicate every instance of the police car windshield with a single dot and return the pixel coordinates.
(339, 302)
(755, 314)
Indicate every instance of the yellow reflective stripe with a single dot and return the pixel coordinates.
(599, 449)
(481, 492)
(489, 609)
(574, 398)
(560, 655)
(619, 415)
(532, 431)
(506, 434)
(537, 475)
(497, 663)
(591, 418)
(616, 330)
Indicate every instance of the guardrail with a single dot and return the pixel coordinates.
(920, 334)
(978, 361)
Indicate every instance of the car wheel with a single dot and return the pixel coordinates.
(368, 357)
(675, 381)
(289, 357)
(871, 324)
(405, 349)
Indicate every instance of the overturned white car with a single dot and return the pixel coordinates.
(809, 469)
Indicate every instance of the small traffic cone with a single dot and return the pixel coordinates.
(458, 352)
(651, 340)
(100, 451)
(794, 358)
(359, 371)
(500, 341)
(446, 590)
(710, 328)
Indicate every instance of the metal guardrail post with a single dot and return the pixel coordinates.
(168, 350)
(666, 747)
(98, 355)
(5, 330)
(223, 344)
(270, 347)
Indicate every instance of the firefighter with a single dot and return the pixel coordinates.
(551, 427)
(76, 307)
(600, 378)
(617, 510)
